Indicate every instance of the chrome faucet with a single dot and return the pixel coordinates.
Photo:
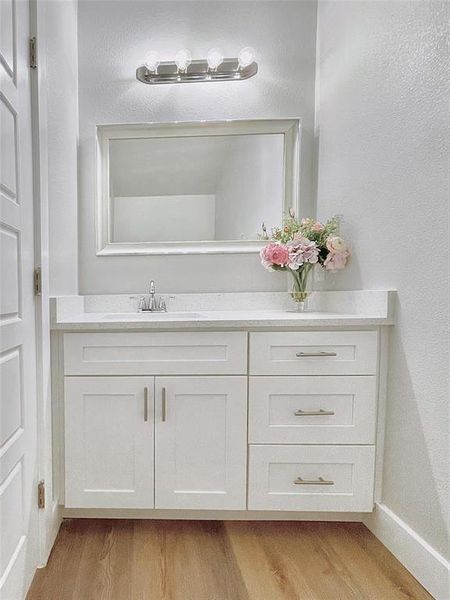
(152, 302)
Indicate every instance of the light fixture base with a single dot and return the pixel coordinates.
(197, 72)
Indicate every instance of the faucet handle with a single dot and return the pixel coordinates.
(162, 305)
(141, 305)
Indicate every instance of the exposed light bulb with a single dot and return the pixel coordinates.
(215, 58)
(152, 61)
(246, 57)
(183, 59)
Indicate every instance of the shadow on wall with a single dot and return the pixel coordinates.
(409, 442)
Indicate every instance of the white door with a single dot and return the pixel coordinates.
(18, 445)
(109, 433)
(201, 442)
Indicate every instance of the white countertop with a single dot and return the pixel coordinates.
(195, 311)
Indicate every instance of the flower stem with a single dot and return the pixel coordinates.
(300, 290)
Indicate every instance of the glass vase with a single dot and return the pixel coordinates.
(301, 287)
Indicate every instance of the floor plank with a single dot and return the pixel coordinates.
(213, 560)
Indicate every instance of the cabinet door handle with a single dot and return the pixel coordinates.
(318, 481)
(313, 413)
(163, 405)
(146, 404)
(316, 354)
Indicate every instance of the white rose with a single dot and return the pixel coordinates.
(336, 244)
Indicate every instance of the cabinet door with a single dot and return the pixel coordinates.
(201, 442)
(109, 442)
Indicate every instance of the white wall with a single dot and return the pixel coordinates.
(383, 164)
(62, 106)
(114, 37)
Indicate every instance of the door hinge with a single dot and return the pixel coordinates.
(41, 494)
(37, 281)
(32, 52)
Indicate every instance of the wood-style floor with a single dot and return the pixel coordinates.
(206, 560)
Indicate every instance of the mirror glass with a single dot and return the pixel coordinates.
(195, 188)
(191, 189)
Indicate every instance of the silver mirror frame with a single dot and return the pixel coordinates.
(290, 128)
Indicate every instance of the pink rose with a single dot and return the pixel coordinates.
(335, 261)
(336, 244)
(318, 226)
(274, 254)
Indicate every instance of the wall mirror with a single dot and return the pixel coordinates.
(190, 188)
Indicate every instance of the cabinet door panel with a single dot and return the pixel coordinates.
(201, 442)
(109, 433)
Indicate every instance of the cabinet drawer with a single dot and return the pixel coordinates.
(312, 410)
(283, 478)
(186, 353)
(313, 353)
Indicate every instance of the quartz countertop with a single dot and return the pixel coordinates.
(256, 310)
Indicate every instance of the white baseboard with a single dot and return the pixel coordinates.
(429, 567)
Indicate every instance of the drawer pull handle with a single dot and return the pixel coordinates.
(146, 404)
(318, 481)
(316, 354)
(163, 405)
(313, 413)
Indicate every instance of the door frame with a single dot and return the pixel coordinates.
(50, 517)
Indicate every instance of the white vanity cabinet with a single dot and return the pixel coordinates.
(233, 420)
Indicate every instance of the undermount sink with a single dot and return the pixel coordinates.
(153, 316)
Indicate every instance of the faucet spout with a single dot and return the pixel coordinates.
(152, 303)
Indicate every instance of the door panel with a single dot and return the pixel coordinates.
(109, 433)
(201, 442)
(18, 440)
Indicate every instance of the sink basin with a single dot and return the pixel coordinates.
(152, 316)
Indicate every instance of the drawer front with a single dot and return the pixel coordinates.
(186, 353)
(312, 410)
(314, 353)
(311, 478)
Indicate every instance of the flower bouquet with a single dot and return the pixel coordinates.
(298, 245)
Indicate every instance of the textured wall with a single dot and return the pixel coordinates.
(62, 120)
(114, 37)
(383, 164)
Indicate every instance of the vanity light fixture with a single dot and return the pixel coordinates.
(185, 70)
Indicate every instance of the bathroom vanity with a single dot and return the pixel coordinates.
(256, 409)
